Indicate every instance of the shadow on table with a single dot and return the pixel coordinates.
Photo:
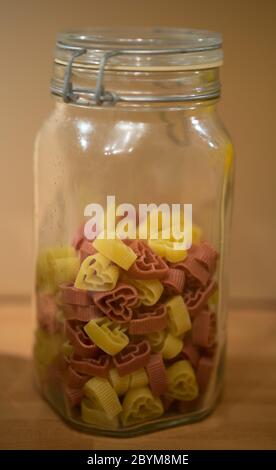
(17, 378)
(26, 420)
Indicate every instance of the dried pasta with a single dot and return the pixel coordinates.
(107, 335)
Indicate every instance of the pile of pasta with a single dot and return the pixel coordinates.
(130, 325)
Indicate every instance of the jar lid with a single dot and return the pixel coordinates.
(141, 49)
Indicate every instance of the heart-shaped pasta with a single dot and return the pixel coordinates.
(117, 304)
(106, 335)
(182, 384)
(149, 291)
(148, 264)
(97, 273)
(140, 405)
(132, 358)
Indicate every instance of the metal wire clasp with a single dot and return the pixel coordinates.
(67, 90)
(99, 94)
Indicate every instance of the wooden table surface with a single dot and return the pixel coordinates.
(245, 417)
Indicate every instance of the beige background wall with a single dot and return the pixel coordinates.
(27, 33)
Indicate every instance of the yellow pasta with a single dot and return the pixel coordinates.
(139, 378)
(99, 389)
(178, 315)
(182, 384)
(140, 405)
(44, 273)
(172, 346)
(97, 273)
(47, 346)
(149, 291)
(159, 230)
(65, 270)
(157, 222)
(197, 234)
(107, 335)
(120, 384)
(67, 349)
(55, 266)
(213, 299)
(115, 250)
(163, 341)
(97, 417)
(164, 246)
(157, 339)
(167, 250)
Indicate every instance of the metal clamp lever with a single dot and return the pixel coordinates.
(100, 95)
(67, 90)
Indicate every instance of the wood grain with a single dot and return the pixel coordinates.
(245, 417)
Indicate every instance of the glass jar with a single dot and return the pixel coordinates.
(133, 176)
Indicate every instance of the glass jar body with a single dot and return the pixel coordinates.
(135, 155)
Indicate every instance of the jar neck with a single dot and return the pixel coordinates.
(175, 88)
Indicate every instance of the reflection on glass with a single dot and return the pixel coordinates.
(85, 130)
(203, 131)
(123, 137)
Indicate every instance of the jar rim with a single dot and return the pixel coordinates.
(141, 49)
(135, 51)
